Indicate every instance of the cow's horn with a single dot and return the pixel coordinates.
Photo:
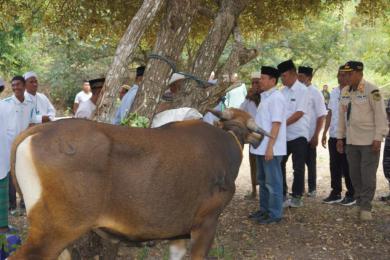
(226, 115)
(251, 124)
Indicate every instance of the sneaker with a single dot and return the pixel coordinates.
(286, 203)
(332, 199)
(257, 214)
(266, 221)
(365, 215)
(296, 202)
(385, 198)
(312, 194)
(348, 201)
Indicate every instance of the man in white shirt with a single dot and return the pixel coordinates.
(237, 94)
(82, 96)
(338, 162)
(17, 113)
(43, 108)
(128, 98)
(271, 115)
(87, 108)
(250, 105)
(297, 99)
(317, 112)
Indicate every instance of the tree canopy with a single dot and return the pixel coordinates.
(68, 41)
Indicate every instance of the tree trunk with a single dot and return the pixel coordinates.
(123, 56)
(170, 42)
(208, 55)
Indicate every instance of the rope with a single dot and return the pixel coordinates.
(201, 83)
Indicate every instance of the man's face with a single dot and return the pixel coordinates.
(176, 86)
(288, 78)
(122, 93)
(32, 85)
(342, 78)
(96, 91)
(18, 88)
(304, 79)
(256, 85)
(266, 82)
(325, 87)
(86, 87)
(354, 78)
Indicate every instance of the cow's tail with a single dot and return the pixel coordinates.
(18, 140)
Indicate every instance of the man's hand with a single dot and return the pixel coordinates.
(340, 146)
(376, 146)
(269, 153)
(314, 142)
(323, 141)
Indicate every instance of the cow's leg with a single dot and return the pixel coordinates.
(177, 249)
(202, 237)
(46, 239)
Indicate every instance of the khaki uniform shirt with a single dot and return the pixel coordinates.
(362, 116)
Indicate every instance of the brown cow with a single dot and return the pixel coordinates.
(144, 184)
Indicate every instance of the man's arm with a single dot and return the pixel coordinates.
(271, 141)
(380, 119)
(327, 125)
(295, 117)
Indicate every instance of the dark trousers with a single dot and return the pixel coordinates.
(298, 149)
(11, 193)
(311, 163)
(363, 164)
(253, 166)
(386, 159)
(339, 169)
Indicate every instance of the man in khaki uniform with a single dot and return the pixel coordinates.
(362, 120)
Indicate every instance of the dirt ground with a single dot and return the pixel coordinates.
(316, 231)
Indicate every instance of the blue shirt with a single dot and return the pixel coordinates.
(126, 104)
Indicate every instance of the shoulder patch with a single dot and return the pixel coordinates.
(376, 96)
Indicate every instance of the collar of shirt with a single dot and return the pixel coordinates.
(17, 102)
(295, 85)
(268, 92)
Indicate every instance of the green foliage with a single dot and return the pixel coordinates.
(135, 120)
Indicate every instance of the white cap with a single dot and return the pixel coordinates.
(29, 74)
(2, 82)
(175, 77)
(256, 75)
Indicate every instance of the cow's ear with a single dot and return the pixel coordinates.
(254, 139)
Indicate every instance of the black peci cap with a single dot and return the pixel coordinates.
(270, 71)
(286, 66)
(305, 70)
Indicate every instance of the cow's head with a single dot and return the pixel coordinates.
(241, 124)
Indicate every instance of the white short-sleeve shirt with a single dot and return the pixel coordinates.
(42, 106)
(334, 107)
(297, 99)
(272, 108)
(317, 108)
(82, 97)
(15, 117)
(250, 107)
(86, 110)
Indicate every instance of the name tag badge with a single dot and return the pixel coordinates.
(293, 99)
(361, 99)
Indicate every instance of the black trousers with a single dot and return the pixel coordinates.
(386, 159)
(311, 163)
(298, 149)
(339, 169)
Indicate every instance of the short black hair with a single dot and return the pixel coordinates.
(18, 77)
